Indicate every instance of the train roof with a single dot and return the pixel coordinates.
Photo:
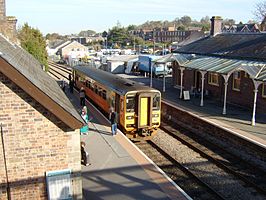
(119, 84)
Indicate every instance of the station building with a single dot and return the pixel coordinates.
(39, 130)
(226, 67)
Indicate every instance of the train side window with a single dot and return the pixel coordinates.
(156, 102)
(92, 88)
(130, 100)
(104, 94)
(96, 89)
(100, 92)
(87, 84)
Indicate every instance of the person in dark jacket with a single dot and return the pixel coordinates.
(82, 96)
(84, 154)
(113, 120)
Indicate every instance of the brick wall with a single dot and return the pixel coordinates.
(200, 127)
(35, 142)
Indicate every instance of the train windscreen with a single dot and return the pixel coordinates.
(156, 101)
(130, 103)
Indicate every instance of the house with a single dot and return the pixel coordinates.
(53, 47)
(73, 51)
(40, 140)
(241, 28)
(231, 67)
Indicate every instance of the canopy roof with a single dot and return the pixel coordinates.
(255, 69)
(180, 58)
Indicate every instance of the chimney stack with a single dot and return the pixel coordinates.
(2, 9)
(216, 25)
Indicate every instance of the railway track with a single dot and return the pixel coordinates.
(216, 172)
(59, 72)
(226, 160)
(194, 186)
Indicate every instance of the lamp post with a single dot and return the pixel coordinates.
(106, 43)
(151, 72)
(164, 77)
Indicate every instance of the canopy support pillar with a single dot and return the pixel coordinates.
(226, 77)
(202, 86)
(181, 81)
(256, 86)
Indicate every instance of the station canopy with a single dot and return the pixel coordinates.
(225, 66)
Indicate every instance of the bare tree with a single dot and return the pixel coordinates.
(260, 12)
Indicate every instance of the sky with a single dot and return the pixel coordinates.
(72, 16)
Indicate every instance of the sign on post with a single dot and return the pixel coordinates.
(186, 95)
(59, 185)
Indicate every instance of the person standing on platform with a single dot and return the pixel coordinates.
(84, 155)
(85, 129)
(71, 86)
(82, 96)
(113, 120)
(69, 78)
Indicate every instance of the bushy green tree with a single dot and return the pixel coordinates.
(118, 36)
(32, 40)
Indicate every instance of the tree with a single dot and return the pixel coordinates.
(229, 22)
(131, 27)
(181, 28)
(260, 12)
(205, 20)
(206, 27)
(54, 36)
(32, 40)
(86, 33)
(186, 20)
(118, 36)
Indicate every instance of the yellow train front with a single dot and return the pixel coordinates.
(138, 106)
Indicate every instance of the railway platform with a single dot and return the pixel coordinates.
(118, 169)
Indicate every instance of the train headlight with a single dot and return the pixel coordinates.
(155, 115)
(130, 117)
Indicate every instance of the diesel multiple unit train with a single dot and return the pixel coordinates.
(138, 106)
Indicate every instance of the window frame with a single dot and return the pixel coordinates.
(263, 94)
(211, 80)
(236, 79)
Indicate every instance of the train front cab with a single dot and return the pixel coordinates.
(142, 113)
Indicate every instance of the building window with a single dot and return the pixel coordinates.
(213, 79)
(264, 90)
(236, 81)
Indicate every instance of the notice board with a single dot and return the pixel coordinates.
(59, 185)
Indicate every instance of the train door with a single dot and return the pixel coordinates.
(144, 110)
(117, 106)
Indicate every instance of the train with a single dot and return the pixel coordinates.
(138, 106)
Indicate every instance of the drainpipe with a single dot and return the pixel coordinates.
(4, 155)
